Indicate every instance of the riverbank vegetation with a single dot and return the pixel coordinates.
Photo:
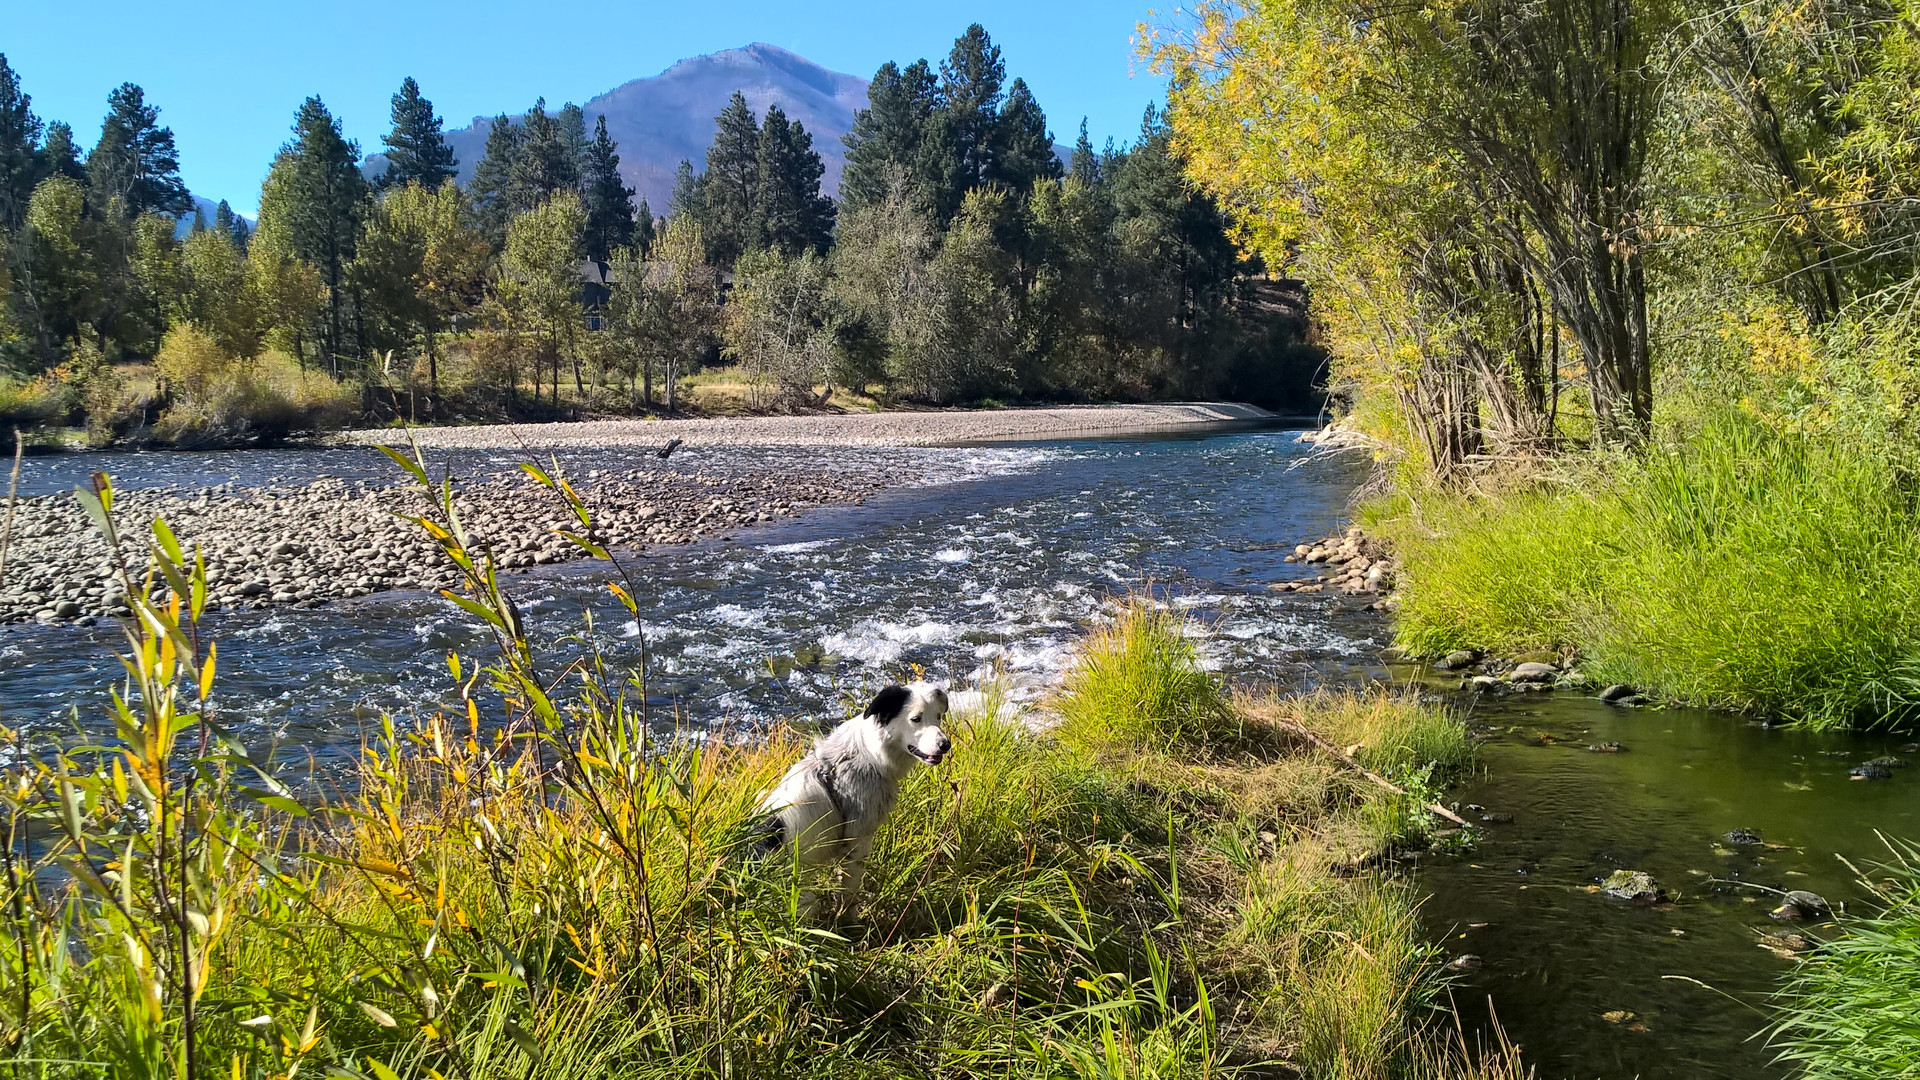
(963, 261)
(1618, 291)
(546, 882)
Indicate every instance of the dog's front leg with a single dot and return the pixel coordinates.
(853, 871)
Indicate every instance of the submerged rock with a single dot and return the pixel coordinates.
(1617, 693)
(1533, 672)
(1635, 885)
(1870, 770)
(1888, 763)
(1459, 658)
(1743, 837)
(1606, 748)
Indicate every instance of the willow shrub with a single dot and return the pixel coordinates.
(1741, 567)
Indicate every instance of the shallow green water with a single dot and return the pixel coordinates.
(1556, 958)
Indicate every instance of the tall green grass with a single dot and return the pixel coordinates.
(1848, 1011)
(1739, 566)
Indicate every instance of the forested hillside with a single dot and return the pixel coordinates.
(964, 263)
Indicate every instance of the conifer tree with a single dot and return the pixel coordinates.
(790, 214)
(572, 122)
(315, 198)
(609, 201)
(891, 135)
(729, 189)
(1022, 145)
(643, 228)
(1084, 166)
(971, 78)
(58, 156)
(20, 167)
(135, 161)
(490, 190)
(546, 162)
(416, 149)
(232, 225)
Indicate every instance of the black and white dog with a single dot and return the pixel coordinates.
(830, 805)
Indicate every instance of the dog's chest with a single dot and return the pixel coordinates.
(862, 793)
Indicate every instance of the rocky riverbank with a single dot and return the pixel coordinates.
(929, 428)
(334, 539)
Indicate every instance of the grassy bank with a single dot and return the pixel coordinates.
(1848, 1012)
(1734, 566)
(545, 887)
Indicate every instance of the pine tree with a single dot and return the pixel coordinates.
(890, 135)
(546, 163)
(729, 189)
(315, 199)
(20, 168)
(643, 229)
(790, 215)
(688, 195)
(609, 200)
(1084, 166)
(572, 122)
(232, 225)
(58, 156)
(1022, 145)
(970, 86)
(416, 150)
(135, 161)
(493, 179)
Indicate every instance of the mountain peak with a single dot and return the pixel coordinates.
(663, 119)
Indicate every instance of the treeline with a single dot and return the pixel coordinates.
(966, 262)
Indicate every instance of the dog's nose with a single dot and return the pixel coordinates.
(946, 744)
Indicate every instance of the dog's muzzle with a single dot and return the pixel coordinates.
(934, 758)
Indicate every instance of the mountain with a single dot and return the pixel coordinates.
(667, 118)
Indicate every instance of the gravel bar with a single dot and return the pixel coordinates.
(932, 428)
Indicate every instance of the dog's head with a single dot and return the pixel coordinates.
(909, 720)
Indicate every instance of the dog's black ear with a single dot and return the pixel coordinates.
(889, 703)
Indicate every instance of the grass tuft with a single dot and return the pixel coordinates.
(1138, 685)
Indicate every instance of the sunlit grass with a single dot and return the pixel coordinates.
(1740, 567)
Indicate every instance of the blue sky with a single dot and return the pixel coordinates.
(228, 76)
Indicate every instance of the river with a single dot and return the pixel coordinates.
(1000, 566)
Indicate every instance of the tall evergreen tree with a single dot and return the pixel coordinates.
(20, 168)
(687, 194)
(609, 200)
(1022, 145)
(316, 200)
(493, 179)
(790, 214)
(729, 189)
(891, 135)
(545, 164)
(416, 150)
(643, 228)
(1084, 166)
(135, 160)
(232, 225)
(572, 122)
(971, 78)
(59, 156)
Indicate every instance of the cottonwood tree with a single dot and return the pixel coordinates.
(421, 261)
(665, 308)
(539, 283)
(779, 324)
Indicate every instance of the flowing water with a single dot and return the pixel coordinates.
(1002, 563)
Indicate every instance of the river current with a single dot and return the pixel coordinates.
(998, 564)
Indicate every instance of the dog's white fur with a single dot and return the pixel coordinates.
(830, 805)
